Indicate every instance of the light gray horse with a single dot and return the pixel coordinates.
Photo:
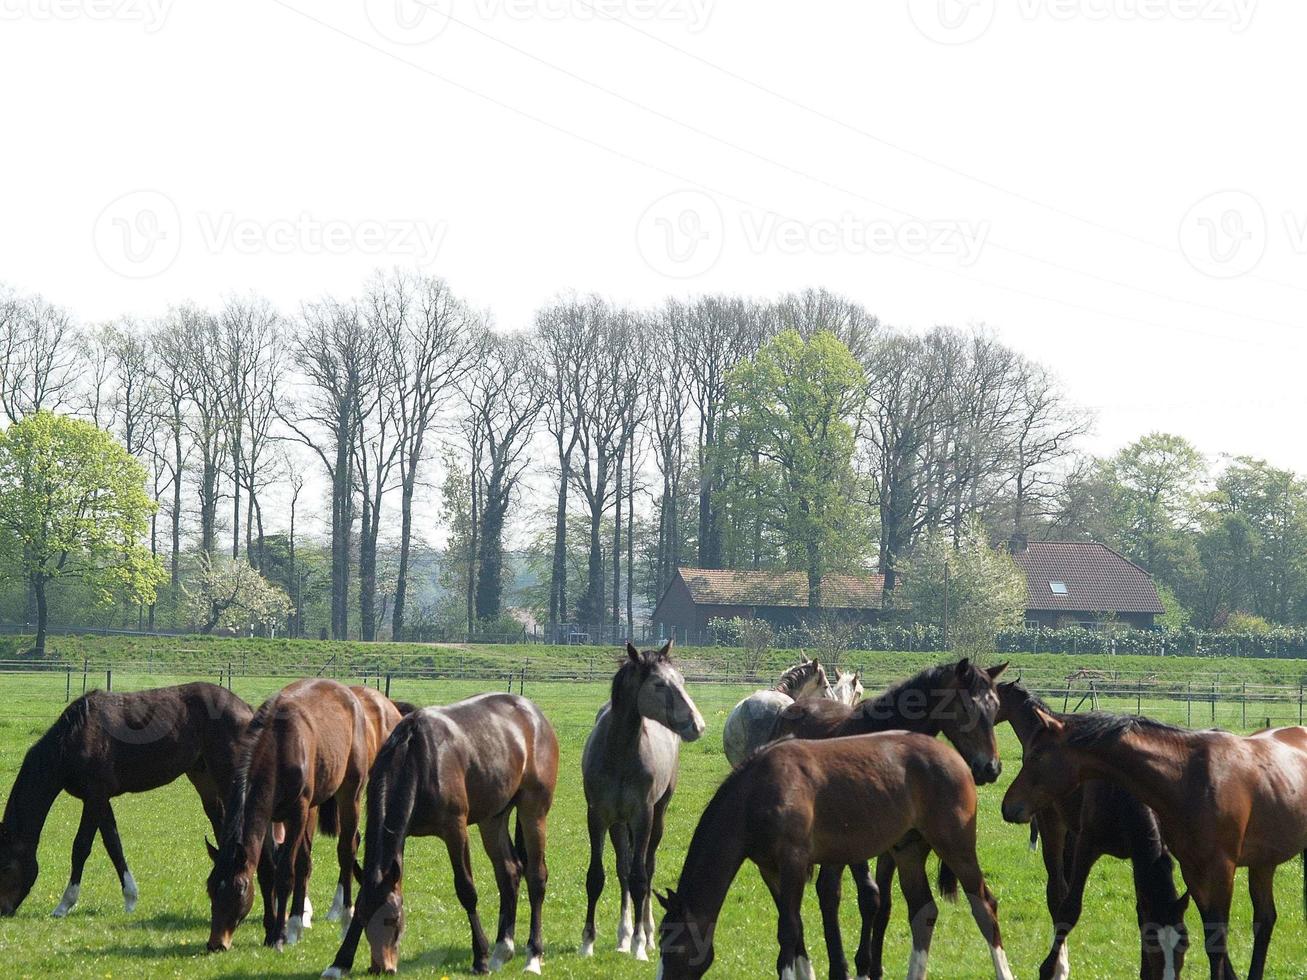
(847, 688)
(629, 770)
(750, 722)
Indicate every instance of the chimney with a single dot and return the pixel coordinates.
(1017, 543)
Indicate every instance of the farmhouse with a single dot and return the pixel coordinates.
(1084, 582)
(698, 595)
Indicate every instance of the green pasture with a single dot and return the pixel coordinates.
(163, 836)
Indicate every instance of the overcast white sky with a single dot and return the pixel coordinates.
(1114, 186)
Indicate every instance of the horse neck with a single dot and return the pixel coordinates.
(625, 724)
(254, 790)
(35, 789)
(1024, 722)
(715, 855)
(888, 711)
(1142, 764)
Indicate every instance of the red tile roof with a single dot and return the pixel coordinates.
(719, 587)
(1097, 579)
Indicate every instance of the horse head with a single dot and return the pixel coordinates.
(18, 870)
(231, 891)
(1047, 774)
(965, 703)
(685, 941)
(847, 688)
(658, 690)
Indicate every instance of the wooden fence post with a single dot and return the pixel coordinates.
(68, 687)
(108, 679)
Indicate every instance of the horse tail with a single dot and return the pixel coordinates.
(404, 707)
(948, 882)
(519, 841)
(329, 817)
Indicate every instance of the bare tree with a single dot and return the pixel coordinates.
(1044, 434)
(168, 378)
(668, 394)
(37, 356)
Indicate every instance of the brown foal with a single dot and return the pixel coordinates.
(838, 801)
(1223, 801)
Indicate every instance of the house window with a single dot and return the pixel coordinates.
(1057, 588)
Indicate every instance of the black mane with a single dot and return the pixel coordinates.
(926, 681)
(1096, 727)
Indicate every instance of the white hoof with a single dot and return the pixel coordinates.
(502, 953)
(308, 913)
(532, 966)
(1062, 970)
(1002, 971)
(337, 905)
(66, 903)
(588, 949)
(333, 973)
(131, 894)
(294, 930)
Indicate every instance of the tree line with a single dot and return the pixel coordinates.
(616, 443)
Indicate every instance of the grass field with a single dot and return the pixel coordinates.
(163, 837)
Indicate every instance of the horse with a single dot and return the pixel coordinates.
(304, 760)
(832, 802)
(960, 700)
(752, 718)
(847, 688)
(628, 768)
(1096, 820)
(441, 771)
(103, 745)
(1222, 801)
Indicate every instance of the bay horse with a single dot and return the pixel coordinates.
(959, 700)
(629, 768)
(1223, 801)
(832, 802)
(309, 746)
(441, 771)
(1096, 819)
(751, 720)
(105, 744)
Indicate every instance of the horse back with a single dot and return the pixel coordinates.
(814, 718)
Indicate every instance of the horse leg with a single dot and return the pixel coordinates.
(1066, 914)
(594, 879)
(874, 905)
(299, 847)
(347, 845)
(460, 857)
(114, 845)
(1261, 888)
(620, 835)
(650, 863)
(793, 962)
(283, 881)
(81, 851)
(828, 897)
(508, 877)
(922, 911)
(1213, 895)
(267, 875)
(531, 814)
(984, 906)
(641, 834)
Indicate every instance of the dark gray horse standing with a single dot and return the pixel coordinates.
(629, 769)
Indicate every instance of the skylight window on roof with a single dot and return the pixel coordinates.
(1057, 588)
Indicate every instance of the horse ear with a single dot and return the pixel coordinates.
(662, 900)
(1049, 722)
(964, 666)
(994, 671)
(1182, 903)
(665, 652)
(213, 851)
(632, 652)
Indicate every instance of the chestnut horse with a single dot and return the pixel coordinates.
(832, 802)
(629, 769)
(959, 700)
(1095, 820)
(106, 744)
(441, 771)
(1223, 801)
(309, 746)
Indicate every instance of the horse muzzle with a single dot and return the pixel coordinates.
(1015, 812)
(219, 943)
(987, 772)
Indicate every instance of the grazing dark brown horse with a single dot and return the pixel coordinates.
(309, 746)
(441, 771)
(959, 700)
(106, 744)
(1095, 820)
(832, 802)
(629, 769)
(1223, 801)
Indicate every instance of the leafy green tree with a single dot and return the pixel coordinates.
(73, 506)
(789, 413)
(986, 590)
